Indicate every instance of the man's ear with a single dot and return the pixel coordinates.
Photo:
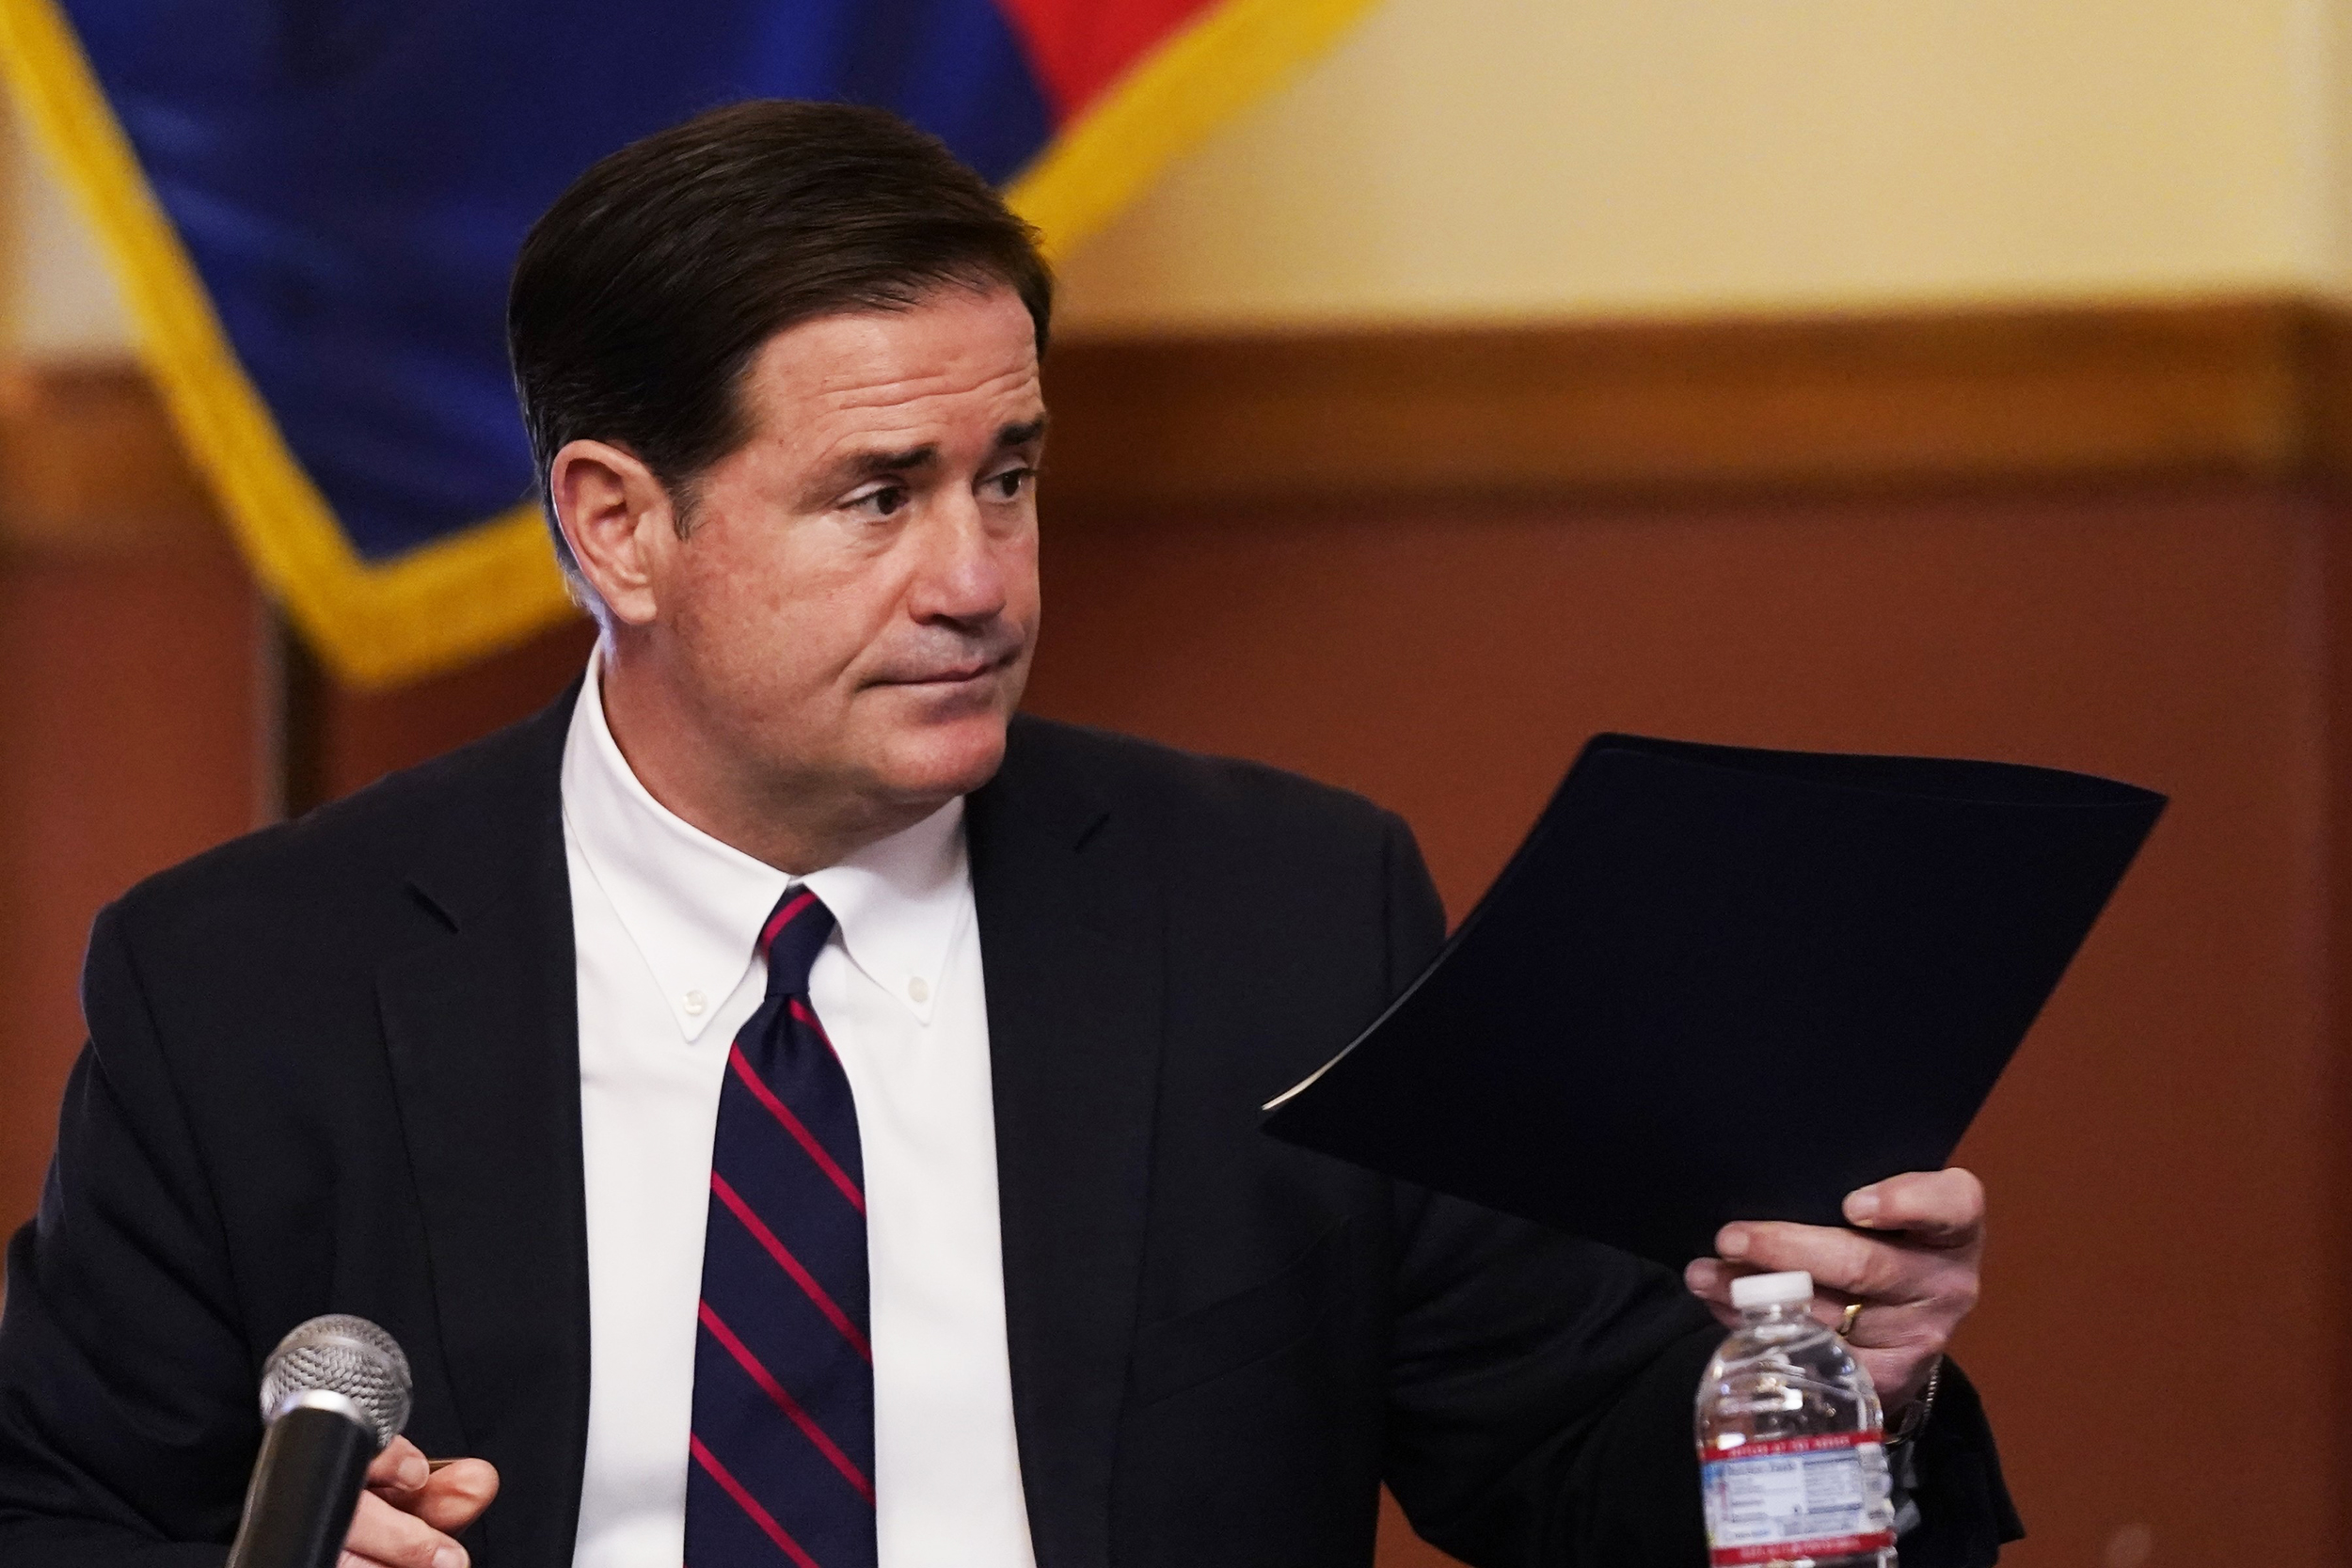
(619, 520)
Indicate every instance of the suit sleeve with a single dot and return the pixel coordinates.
(127, 1414)
(1541, 1386)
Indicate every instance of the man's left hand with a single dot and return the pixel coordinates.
(1915, 1278)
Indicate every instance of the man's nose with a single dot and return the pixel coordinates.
(963, 575)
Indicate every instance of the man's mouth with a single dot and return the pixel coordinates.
(955, 674)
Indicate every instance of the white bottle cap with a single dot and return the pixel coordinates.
(1771, 1289)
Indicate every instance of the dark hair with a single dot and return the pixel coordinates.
(641, 297)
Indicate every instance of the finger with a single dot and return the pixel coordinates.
(1862, 1266)
(1939, 1208)
(1710, 1279)
(381, 1534)
(400, 1468)
(1830, 1310)
(458, 1493)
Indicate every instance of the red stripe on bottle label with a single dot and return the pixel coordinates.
(1795, 1551)
(1766, 1448)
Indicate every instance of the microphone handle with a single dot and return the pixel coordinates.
(305, 1485)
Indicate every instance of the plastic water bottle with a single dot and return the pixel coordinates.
(1792, 1444)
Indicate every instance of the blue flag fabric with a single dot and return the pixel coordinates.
(352, 181)
(314, 209)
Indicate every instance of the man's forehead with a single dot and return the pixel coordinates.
(852, 396)
(955, 342)
(976, 421)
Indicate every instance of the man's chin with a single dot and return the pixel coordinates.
(940, 761)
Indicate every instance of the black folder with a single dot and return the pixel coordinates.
(1719, 984)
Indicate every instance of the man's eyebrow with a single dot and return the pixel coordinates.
(870, 465)
(857, 466)
(1021, 434)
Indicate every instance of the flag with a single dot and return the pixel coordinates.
(313, 209)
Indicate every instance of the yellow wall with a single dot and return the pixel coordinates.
(1508, 157)
(1501, 158)
(56, 297)
(2324, 87)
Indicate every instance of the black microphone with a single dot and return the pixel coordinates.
(334, 1393)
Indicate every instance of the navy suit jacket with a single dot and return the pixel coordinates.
(333, 1066)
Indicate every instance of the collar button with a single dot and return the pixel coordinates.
(918, 991)
(695, 1002)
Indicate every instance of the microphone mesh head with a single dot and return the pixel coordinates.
(346, 1355)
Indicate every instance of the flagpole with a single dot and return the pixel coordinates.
(290, 718)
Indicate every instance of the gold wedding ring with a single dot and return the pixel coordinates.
(1844, 1324)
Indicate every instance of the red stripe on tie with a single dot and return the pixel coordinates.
(748, 1503)
(800, 1010)
(790, 1264)
(791, 1123)
(785, 1402)
(783, 917)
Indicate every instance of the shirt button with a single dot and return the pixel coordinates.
(695, 1003)
(918, 991)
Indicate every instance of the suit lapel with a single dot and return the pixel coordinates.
(1070, 943)
(481, 1030)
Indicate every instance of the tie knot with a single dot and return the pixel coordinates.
(792, 939)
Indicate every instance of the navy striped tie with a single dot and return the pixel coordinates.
(782, 1445)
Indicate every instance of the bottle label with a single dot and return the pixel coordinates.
(1796, 1498)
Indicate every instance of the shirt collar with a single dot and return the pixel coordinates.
(693, 906)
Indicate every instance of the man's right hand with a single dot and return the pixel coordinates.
(409, 1513)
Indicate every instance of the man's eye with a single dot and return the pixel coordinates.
(1009, 484)
(884, 502)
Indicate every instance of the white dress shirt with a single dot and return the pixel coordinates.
(666, 921)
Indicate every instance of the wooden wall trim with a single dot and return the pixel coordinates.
(2232, 387)
(89, 465)
(2253, 387)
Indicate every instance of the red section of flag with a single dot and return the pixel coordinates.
(1079, 47)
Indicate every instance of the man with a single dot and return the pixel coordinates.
(791, 1110)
